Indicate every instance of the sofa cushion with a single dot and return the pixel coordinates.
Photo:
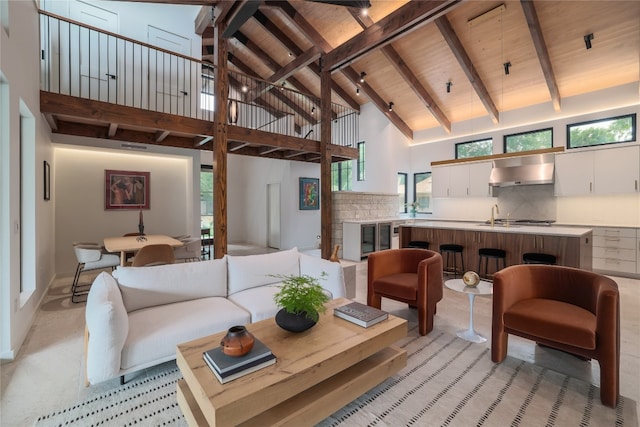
(333, 281)
(108, 326)
(554, 320)
(250, 271)
(143, 287)
(154, 332)
(257, 301)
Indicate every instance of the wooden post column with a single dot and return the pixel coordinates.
(220, 145)
(326, 210)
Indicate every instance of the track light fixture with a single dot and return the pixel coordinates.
(449, 84)
(391, 106)
(357, 91)
(313, 110)
(282, 87)
(507, 65)
(587, 40)
(362, 76)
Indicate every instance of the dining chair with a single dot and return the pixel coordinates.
(150, 255)
(90, 256)
(189, 251)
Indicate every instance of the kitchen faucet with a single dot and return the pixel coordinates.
(497, 211)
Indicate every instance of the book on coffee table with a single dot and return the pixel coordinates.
(227, 368)
(360, 314)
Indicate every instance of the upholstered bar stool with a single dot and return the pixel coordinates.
(451, 250)
(538, 258)
(419, 244)
(484, 255)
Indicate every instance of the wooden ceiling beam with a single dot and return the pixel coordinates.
(292, 67)
(161, 135)
(222, 11)
(271, 63)
(377, 100)
(317, 39)
(467, 66)
(204, 19)
(275, 92)
(401, 66)
(541, 49)
(51, 120)
(407, 18)
(292, 47)
(235, 146)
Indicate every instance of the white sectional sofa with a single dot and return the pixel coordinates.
(137, 315)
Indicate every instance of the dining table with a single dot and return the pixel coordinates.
(127, 244)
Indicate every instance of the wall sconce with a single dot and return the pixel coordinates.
(507, 65)
(282, 87)
(391, 106)
(449, 84)
(313, 110)
(362, 76)
(587, 40)
(232, 112)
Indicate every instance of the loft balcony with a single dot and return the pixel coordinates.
(101, 85)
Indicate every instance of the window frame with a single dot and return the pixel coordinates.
(505, 137)
(360, 162)
(406, 192)
(634, 130)
(346, 185)
(415, 189)
(206, 169)
(459, 144)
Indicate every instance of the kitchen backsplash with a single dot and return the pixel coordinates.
(527, 202)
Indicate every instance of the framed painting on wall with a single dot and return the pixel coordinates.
(126, 190)
(309, 194)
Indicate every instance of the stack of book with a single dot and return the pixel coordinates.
(360, 314)
(228, 368)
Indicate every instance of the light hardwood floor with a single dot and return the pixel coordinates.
(48, 372)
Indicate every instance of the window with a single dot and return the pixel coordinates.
(525, 141)
(402, 192)
(483, 147)
(612, 130)
(206, 198)
(361, 161)
(341, 176)
(422, 191)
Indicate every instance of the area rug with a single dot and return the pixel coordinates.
(447, 382)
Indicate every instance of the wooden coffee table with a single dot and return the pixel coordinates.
(317, 372)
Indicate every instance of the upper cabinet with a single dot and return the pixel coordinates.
(462, 180)
(603, 171)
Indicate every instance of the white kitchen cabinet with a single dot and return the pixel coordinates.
(615, 250)
(462, 180)
(602, 171)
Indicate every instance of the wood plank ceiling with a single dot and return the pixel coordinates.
(441, 67)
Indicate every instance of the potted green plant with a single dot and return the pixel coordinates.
(301, 299)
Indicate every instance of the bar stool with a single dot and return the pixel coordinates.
(451, 249)
(485, 254)
(420, 244)
(538, 258)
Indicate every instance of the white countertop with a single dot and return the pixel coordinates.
(376, 220)
(553, 230)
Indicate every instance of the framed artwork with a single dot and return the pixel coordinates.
(309, 194)
(126, 190)
(47, 180)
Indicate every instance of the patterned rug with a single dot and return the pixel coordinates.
(447, 382)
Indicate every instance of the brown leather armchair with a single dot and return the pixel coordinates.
(572, 310)
(413, 276)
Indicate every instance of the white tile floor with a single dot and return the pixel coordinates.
(48, 372)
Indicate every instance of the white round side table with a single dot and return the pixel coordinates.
(483, 288)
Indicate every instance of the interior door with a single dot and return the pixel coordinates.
(273, 216)
(97, 52)
(170, 76)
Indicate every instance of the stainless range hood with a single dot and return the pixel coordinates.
(522, 170)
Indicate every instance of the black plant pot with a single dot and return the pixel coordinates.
(298, 322)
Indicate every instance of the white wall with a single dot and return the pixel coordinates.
(80, 198)
(19, 76)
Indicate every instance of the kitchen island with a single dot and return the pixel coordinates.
(572, 246)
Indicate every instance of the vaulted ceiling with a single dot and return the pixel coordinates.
(438, 62)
